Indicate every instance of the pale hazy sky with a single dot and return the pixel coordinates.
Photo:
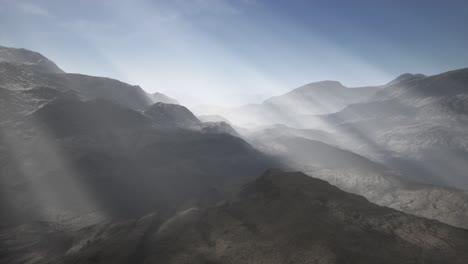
(228, 52)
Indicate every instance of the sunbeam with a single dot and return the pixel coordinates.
(233, 131)
(38, 175)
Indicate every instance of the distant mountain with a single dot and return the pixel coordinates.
(213, 118)
(406, 77)
(311, 99)
(417, 125)
(271, 133)
(357, 174)
(319, 98)
(160, 97)
(445, 84)
(220, 128)
(29, 59)
(277, 218)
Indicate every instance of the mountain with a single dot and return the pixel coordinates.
(29, 59)
(357, 174)
(417, 125)
(277, 218)
(159, 97)
(445, 84)
(219, 127)
(71, 158)
(318, 98)
(22, 69)
(172, 115)
(406, 77)
(91, 87)
(18, 77)
(213, 118)
(87, 134)
(72, 117)
(178, 116)
(311, 99)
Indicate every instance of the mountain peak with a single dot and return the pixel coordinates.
(327, 84)
(407, 77)
(28, 58)
(172, 115)
(316, 98)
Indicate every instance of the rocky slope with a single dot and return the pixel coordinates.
(277, 218)
(416, 125)
(91, 87)
(172, 115)
(357, 174)
(29, 59)
(123, 162)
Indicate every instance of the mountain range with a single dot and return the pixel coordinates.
(106, 173)
(414, 128)
(73, 133)
(289, 109)
(417, 125)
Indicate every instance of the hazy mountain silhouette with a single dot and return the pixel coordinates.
(213, 118)
(319, 98)
(407, 77)
(160, 97)
(417, 126)
(311, 99)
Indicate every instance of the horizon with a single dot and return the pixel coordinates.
(231, 53)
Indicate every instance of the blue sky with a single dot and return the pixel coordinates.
(230, 52)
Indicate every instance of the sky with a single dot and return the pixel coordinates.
(232, 52)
